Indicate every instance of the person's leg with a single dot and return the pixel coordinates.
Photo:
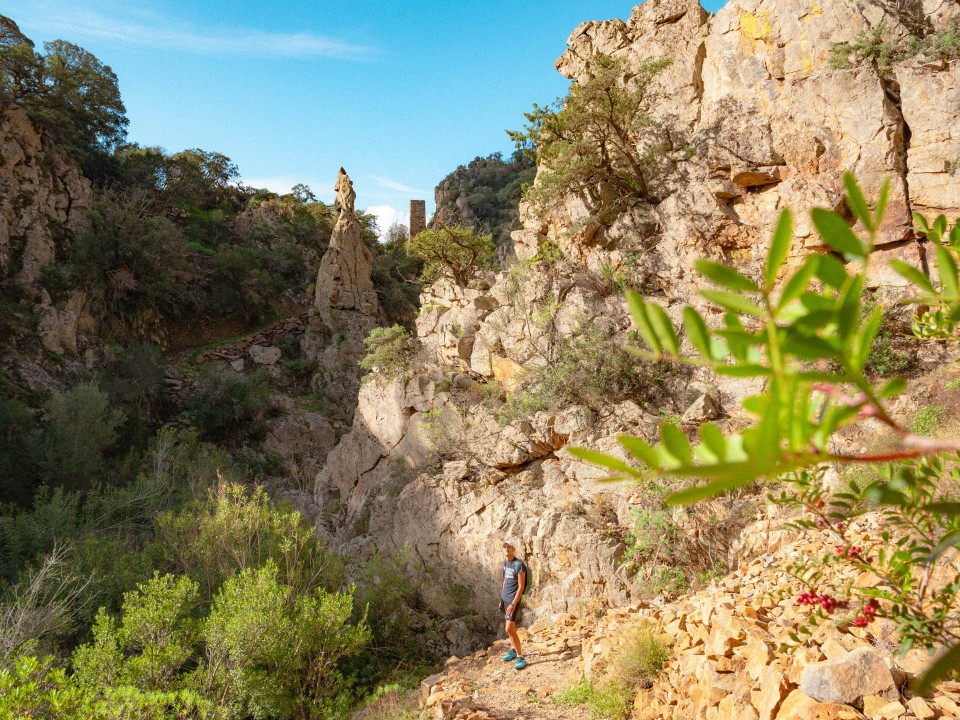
(511, 627)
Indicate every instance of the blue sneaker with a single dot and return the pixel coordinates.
(521, 664)
(510, 656)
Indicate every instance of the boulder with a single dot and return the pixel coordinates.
(264, 355)
(847, 679)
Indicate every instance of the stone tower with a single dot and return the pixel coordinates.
(418, 216)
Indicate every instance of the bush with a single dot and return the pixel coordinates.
(272, 652)
(149, 645)
(597, 143)
(589, 369)
(655, 551)
(453, 252)
(225, 407)
(643, 657)
(613, 702)
(235, 529)
(389, 350)
(881, 49)
(80, 427)
(19, 452)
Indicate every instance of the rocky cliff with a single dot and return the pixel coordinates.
(755, 120)
(42, 199)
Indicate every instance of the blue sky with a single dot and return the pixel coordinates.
(399, 93)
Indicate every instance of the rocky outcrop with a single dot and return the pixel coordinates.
(43, 198)
(766, 123)
(40, 193)
(345, 307)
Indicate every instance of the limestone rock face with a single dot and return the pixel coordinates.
(767, 124)
(38, 190)
(345, 307)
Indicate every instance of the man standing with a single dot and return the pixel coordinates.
(514, 581)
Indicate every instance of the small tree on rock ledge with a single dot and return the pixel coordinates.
(598, 142)
(455, 252)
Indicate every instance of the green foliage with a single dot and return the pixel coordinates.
(455, 252)
(881, 49)
(775, 331)
(655, 552)
(80, 428)
(927, 420)
(129, 258)
(226, 407)
(613, 702)
(383, 596)
(235, 530)
(396, 276)
(272, 652)
(149, 645)
(179, 467)
(587, 143)
(19, 451)
(589, 369)
(486, 194)
(642, 658)
(36, 688)
(886, 359)
(390, 350)
(68, 92)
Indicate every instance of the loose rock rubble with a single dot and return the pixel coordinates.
(725, 661)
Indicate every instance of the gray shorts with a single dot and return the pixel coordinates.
(505, 609)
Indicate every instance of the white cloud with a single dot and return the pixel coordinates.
(398, 186)
(387, 216)
(165, 33)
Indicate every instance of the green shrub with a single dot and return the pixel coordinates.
(881, 49)
(234, 529)
(151, 642)
(272, 652)
(613, 702)
(80, 428)
(927, 420)
(389, 350)
(19, 452)
(643, 657)
(226, 407)
(587, 143)
(589, 369)
(453, 252)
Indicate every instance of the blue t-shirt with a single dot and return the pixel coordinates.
(511, 571)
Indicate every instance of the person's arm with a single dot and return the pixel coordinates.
(504, 586)
(521, 580)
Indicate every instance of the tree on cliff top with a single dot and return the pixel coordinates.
(66, 90)
(592, 143)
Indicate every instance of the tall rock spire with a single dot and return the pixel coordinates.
(345, 305)
(343, 281)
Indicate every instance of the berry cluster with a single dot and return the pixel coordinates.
(848, 551)
(867, 615)
(827, 602)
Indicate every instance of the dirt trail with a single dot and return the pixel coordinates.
(484, 687)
